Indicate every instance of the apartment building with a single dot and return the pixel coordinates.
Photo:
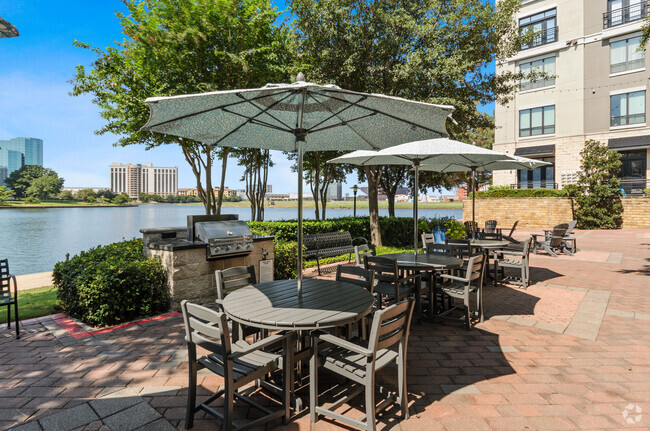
(134, 179)
(596, 88)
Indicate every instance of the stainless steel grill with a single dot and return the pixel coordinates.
(223, 238)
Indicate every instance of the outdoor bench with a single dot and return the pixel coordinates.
(329, 245)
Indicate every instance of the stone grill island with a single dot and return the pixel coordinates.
(190, 264)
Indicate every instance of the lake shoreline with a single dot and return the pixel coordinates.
(18, 207)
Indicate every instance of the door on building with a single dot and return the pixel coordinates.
(634, 165)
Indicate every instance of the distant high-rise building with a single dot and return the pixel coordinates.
(335, 191)
(269, 188)
(135, 179)
(18, 152)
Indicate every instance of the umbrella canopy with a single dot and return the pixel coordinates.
(7, 29)
(441, 150)
(297, 117)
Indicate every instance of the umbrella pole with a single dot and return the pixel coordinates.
(300, 146)
(415, 207)
(473, 203)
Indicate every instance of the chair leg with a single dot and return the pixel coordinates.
(401, 382)
(467, 324)
(9, 316)
(370, 401)
(228, 405)
(287, 378)
(313, 382)
(17, 320)
(191, 393)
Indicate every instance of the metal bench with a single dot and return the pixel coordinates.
(329, 245)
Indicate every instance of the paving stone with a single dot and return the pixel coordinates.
(69, 419)
(29, 426)
(108, 406)
(132, 418)
(159, 425)
(159, 391)
(620, 313)
(505, 349)
(460, 389)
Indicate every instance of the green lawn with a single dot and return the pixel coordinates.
(38, 302)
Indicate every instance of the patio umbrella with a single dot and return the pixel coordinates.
(420, 152)
(506, 163)
(7, 29)
(297, 117)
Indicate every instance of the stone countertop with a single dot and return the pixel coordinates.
(183, 244)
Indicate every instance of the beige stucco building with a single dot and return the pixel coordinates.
(596, 88)
(134, 179)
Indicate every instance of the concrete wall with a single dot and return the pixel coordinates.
(548, 212)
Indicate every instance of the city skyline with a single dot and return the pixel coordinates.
(18, 152)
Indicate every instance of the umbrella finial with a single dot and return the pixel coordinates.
(300, 77)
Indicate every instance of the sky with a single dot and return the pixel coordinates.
(35, 70)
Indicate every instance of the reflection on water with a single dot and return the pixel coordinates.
(34, 239)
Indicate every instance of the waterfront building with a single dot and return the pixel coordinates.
(269, 188)
(595, 88)
(18, 152)
(134, 179)
(335, 192)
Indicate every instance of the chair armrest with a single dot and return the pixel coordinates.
(13, 277)
(409, 278)
(219, 303)
(454, 277)
(511, 253)
(336, 341)
(365, 241)
(273, 339)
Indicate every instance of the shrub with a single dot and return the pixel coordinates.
(646, 191)
(111, 284)
(507, 192)
(32, 200)
(455, 230)
(284, 260)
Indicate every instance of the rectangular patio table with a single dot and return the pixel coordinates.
(425, 263)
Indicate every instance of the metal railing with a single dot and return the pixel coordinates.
(631, 13)
(540, 38)
(534, 185)
(634, 186)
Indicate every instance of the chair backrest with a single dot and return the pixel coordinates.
(490, 226)
(439, 248)
(355, 275)
(361, 250)
(572, 225)
(528, 245)
(427, 238)
(460, 247)
(514, 227)
(234, 278)
(475, 268)
(470, 226)
(206, 328)
(385, 269)
(558, 235)
(391, 325)
(5, 277)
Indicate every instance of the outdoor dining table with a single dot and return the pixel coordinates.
(489, 246)
(426, 263)
(276, 305)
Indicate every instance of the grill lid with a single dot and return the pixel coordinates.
(233, 230)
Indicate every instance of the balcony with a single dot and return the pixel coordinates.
(631, 13)
(634, 186)
(543, 184)
(541, 37)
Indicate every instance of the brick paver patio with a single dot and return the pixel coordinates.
(572, 352)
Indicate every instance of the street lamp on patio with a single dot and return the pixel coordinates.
(355, 189)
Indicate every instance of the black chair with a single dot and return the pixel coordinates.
(389, 283)
(229, 280)
(360, 277)
(6, 298)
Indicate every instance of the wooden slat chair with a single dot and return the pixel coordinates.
(517, 259)
(359, 363)
(7, 299)
(569, 241)
(361, 250)
(512, 230)
(229, 280)
(427, 238)
(471, 226)
(463, 287)
(360, 277)
(555, 242)
(390, 285)
(490, 226)
(239, 363)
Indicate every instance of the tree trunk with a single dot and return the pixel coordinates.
(373, 174)
(193, 153)
(224, 164)
(391, 203)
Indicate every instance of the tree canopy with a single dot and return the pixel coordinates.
(36, 181)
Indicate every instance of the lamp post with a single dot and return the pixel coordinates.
(355, 189)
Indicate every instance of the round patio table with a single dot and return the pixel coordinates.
(426, 263)
(276, 305)
(489, 244)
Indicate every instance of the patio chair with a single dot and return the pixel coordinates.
(359, 363)
(555, 243)
(7, 299)
(490, 226)
(471, 227)
(229, 280)
(427, 238)
(512, 230)
(239, 363)
(361, 250)
(570, 242)
(390, 285)
(440, 248)
(517, 259)
(360, 277)
(463, 287)
(461, 248)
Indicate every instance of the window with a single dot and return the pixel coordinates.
(546, 66)
(544, 27)
(537, 121)
(625, 55)
(542, 177)
(627, 108)
(624, 11)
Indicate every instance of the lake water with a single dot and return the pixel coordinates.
(34, 239)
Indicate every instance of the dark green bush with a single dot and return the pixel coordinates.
(284, 260)
(32, 200)
(507, 192)
(111, 284)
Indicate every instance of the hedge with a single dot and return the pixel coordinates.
(507, 192)
(111, 284)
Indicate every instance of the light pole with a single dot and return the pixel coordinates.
(355, 189)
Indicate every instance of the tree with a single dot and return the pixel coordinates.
(45, 187)
(599, 206)
(65, 195)
(5, 194)
(183, 47)
(86, 195)
(392, 178)
(121, 199)
(427, 50)
(256, 163)
(19, 181)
